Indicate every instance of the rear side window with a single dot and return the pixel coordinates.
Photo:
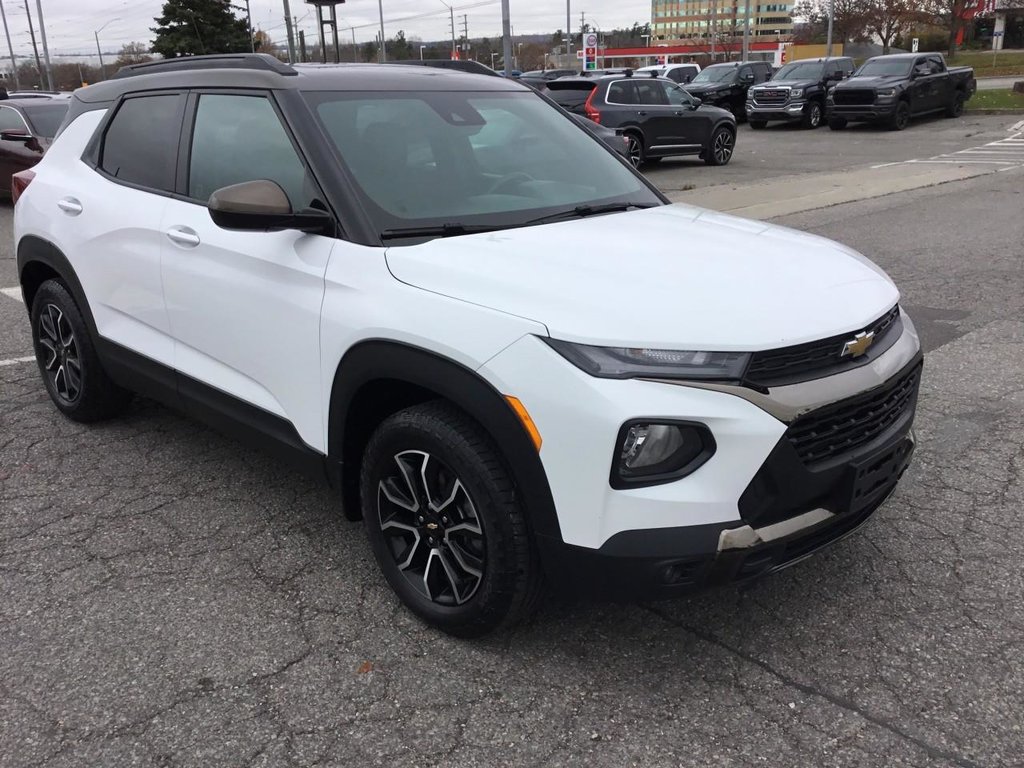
(140, 145)
(621, 92)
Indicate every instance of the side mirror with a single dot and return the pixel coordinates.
(262, 206)
(16, 134)
(696, 102)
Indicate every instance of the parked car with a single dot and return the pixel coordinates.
(614, 139)
(677, 73)
(38, 95)
(537, 78)
(797, 92)
(27, 127)
(517, 361)
(726, 85)
(894, 89)
(658, 117)
(457, 65)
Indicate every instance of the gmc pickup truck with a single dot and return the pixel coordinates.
(893, 89)
(796, 93)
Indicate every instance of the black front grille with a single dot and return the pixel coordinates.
(838, 429)
(854, 97)
(815, 359)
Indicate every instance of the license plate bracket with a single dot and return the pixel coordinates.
(875, 477)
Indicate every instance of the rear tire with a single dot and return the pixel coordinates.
(67, 358)
(445, 522)
(720, 148)
(837, 123)
(813, 116)
(901, 117)
(758, 124)
(635, 150)
(956, 108)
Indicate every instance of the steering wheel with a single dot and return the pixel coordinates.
(516, 177)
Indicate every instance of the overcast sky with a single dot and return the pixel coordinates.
(70, 23)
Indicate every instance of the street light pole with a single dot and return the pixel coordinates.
(421, 52)
(99, 51)
(46, 51)
(14, 62)
(831, 13)
(506, 37)
(746, 32)
(383, 52)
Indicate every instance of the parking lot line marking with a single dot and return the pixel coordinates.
(14, 293)
(964, 162)
(16, 361)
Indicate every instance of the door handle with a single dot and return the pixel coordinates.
(183, 236)
(641, 113)
(70, 206)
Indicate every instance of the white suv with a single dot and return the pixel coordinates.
(518, 363)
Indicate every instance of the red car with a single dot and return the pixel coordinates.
(27, 127)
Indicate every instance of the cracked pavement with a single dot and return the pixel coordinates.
(171, 598)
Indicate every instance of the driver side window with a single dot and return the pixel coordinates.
(677, 97)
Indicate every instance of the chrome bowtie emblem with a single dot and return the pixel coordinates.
(858, 345)
(431, 526)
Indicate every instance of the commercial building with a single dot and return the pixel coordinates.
(674, 21)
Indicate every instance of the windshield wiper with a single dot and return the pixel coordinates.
(439, 230)
(581, 211)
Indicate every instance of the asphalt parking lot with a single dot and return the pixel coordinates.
(172, 598)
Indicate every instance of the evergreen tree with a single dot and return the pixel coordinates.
(195, 27)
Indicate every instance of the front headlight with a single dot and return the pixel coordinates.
(887, 92)
(640, 362)
(796, 93)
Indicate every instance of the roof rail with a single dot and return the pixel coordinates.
(262, 61)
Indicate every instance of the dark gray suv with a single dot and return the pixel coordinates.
(657, 117)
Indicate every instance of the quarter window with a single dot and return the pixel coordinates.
(10, 120)
(238, 139)
(141, 144)
(621, 92)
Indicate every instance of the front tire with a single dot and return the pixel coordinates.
(901, 118)
(445, 523)
(635, 150)
(721, 146)
(67, 358)
(813, 116)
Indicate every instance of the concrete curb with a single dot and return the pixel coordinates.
(993, 111)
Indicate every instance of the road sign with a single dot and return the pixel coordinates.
(914, 45)
(590, 41)
(589, 51)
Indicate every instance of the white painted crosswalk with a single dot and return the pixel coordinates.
(1002, 154)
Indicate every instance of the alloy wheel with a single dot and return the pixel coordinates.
(635, 151)
(814, 118)
(431, 528)
(723, 146)
(59, 354)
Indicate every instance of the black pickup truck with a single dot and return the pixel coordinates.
(796, 93)
(893, 89)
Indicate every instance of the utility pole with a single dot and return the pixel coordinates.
(35, 49)
(302, 46)
(355, 48)
(46, 51)
(383, 53)
(465, 34)
(746, 32)
(714, 28)
(10, 48)
(248, 22)
(831, 14)
(451, 15)
(583, 24)
(568, 33)
(506, 37)
(289, 30)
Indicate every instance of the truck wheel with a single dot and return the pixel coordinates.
(837, 123)
(445, 522)
(758, 124)
(71, 369)
(901, 118)
(956, 109)
(812, 117)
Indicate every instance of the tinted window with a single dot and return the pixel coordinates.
(715, 74)
(801, 70)
(621, 92)
(46, 118)
(936, 66)
(885, 68)
(570, 95)
(10, 120)
(238, 139)
(651, 92)
(141, 143)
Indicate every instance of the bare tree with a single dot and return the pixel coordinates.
(888, 19)
(132, 53)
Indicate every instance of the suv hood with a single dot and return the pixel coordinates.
(673, 277)
(699, 88)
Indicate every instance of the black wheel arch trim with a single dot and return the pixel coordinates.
(35, 250)
(384, 360)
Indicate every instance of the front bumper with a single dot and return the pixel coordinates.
(862, 113)
(666, 563)
(782, 112)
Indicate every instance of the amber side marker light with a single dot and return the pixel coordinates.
(527, 422)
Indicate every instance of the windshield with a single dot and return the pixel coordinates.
(800, 70)
(715, 75)
(477, 159)
(45, 119)
(886, 68)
